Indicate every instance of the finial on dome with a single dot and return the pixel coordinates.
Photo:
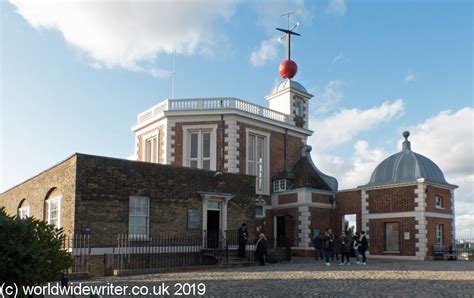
(406, 144)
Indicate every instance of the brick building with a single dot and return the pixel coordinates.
(103, 195)
(232, 161)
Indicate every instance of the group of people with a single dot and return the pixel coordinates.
(260, 246)
(329, 247)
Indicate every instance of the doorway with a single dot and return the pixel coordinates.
(213, 224)
(280, 230)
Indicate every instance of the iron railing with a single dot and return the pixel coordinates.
(464, 247)
(160, 251)
(80, 249)
(186, 250)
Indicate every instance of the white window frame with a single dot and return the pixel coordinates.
(139, 236)
(155, 152)
(200, 129)
(24, 212)
(439, 202)
(266, 159)
(279, 185)
(49, 202)
(439, 234)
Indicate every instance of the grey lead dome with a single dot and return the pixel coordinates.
(406, 166)
(284, 84)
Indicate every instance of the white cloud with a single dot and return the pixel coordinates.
(130, 34)
(353, 170)
(363, 164)
(160, 73)
(338, 58)
(267, 51)
(336, 7)
(329, 97)
(410, 77)
(345, 124)
(447, 139)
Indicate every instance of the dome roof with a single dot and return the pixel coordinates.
(284, 84)
(406, 166)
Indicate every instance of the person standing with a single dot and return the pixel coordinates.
(364, 245)
(243, 237)
(336, 250)
(355, 246)
(318, 246)
(328, 246)
(344, 245)
(261, 249)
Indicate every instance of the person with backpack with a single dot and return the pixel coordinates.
(344, 245)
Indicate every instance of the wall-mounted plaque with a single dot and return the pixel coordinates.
(194, 219)
(86, 229)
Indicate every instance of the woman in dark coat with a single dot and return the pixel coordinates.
(261, 249)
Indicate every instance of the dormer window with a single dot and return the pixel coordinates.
(439, 202)
(279, 185)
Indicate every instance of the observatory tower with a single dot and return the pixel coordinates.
(289, 96)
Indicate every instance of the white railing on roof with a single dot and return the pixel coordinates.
(211, 104)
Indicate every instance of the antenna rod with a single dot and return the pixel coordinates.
(173, 75)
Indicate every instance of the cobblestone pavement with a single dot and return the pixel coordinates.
(304, 277)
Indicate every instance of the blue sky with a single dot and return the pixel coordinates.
(73, 81)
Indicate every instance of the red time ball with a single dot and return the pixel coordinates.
(288, 69)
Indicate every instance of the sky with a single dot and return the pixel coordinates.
(75, 74)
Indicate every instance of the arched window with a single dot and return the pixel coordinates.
(53, 207)
(23, 209)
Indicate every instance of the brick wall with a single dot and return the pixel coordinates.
(347, 202)
(397, 199)
(291, 223)
(445, 194)
(321, 198)
(431, 235)
(104, 186)
(58, 180)
(320, 219)
(377, 236)
(288, 198)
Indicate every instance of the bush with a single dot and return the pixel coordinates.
(30, 251)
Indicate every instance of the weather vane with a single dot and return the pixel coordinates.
(288, 68)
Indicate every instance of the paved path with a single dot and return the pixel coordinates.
(305, 277)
